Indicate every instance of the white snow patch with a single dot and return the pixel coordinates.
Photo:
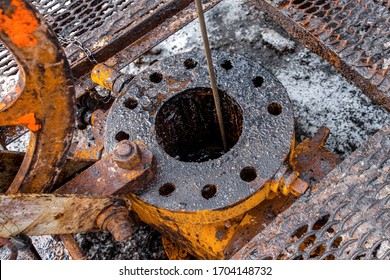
(277, 41)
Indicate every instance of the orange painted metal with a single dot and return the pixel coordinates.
(44, 99)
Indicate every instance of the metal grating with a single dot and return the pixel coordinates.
(346, 216)
(8, 66)
(91, 24)
(95, 31)
(76, 18)
(353, 35)
(83, 24)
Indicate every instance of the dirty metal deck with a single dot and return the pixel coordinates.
(346, 216)
(99, 30)
(354, 36)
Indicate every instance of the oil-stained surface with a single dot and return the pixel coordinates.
(264, 143)
(346, 216)
(187, 127)
(354, 36)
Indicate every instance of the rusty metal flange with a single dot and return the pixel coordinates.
(169, 107)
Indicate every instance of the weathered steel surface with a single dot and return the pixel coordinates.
(9, 166)
(136, 26)
(5, 242)
(106, 178)
(10, 162)
(198, 188)
(103, 28)
(259, 138)
(312, 160)
(91, 146)
(346, 216)
(146, 42)
(46, 105)
(354, 36)
(40, 214)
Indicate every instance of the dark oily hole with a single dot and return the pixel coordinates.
(166, 189)
(275, 108)
(190, 63)
(248, 174)
(209, 191)
(156, 77)
(131, 103)
(187, 126)
(227, 65)
(258, 81)
(121, 135)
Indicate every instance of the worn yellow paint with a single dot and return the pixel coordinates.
(205, 234)
(103, 76)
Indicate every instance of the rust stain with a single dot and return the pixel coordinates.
(19, 23)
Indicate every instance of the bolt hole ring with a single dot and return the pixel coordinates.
(156, 77)
(167, 189)
(209, 191)
(248, 174)
(275, 108)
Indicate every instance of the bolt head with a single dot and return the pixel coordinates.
(127, 155)
(123, 149)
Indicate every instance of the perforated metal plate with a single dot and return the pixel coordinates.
(104, 28)
(177, 90)
(346, 216)
(352, 35)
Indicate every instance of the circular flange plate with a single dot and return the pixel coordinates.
(263, 116)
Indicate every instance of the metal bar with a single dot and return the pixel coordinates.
(210, 67)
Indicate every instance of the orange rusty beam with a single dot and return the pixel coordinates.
(43, 101)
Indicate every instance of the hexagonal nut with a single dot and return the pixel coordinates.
(127, 155)
(116, 220)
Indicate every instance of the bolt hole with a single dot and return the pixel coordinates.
(167, 189)
(321, 222)
(300, 232)
(248, 174)
(190, 63)
(121, 135)
(227, 65)
(156, 77)
(330, 257)
(258, 81)
(209, 191)
(336, 242)
(131, 103)
(317, 251)
(275, 108)
(308, 242)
